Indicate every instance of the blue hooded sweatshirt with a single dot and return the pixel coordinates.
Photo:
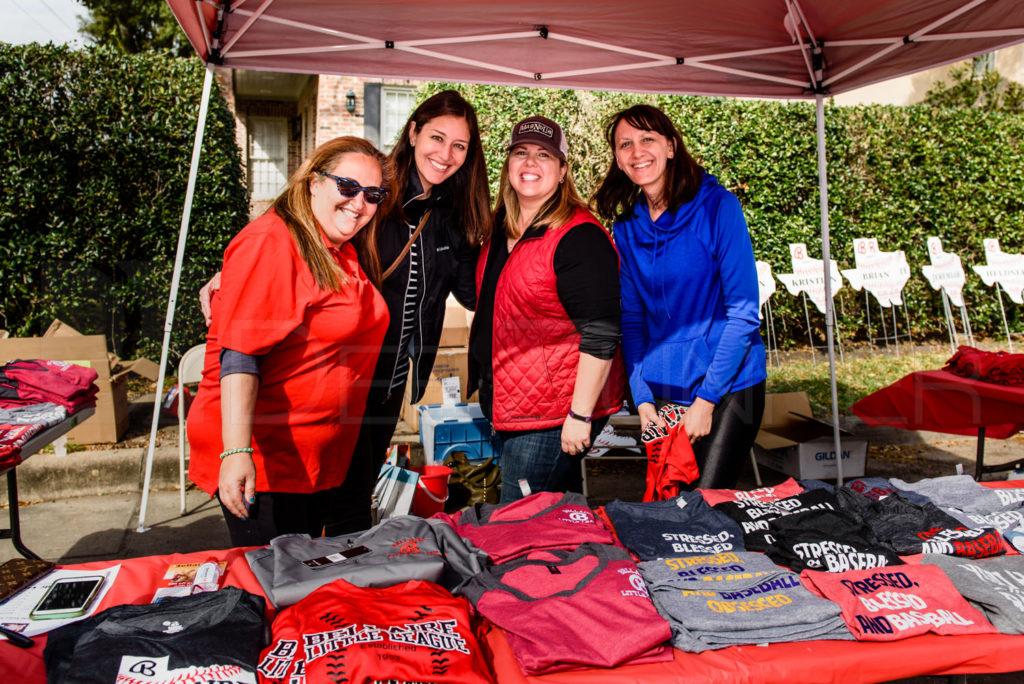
(690, 324)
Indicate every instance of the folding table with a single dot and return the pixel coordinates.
(30, 447)
(941, 401)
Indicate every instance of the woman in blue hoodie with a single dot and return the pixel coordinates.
(690, 327)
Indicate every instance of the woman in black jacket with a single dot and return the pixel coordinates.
(426, 249)
(441, 189)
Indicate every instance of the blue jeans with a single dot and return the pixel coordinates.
(537, 457)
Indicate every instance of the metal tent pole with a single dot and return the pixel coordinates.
(179, 258)
(826, 260)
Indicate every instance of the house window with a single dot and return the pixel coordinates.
(984, 63)
(268, 156)
(396, 104)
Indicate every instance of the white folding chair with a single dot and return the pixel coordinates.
(190, 370)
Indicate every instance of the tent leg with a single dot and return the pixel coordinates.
(826, 260)
(175, 280)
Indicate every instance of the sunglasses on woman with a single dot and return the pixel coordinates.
(349, 188)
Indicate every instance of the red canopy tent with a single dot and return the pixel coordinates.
(807, 49)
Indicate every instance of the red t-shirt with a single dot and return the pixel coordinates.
(319, 350)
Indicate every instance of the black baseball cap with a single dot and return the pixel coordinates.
(542, 131)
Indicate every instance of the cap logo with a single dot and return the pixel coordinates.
(537, 127)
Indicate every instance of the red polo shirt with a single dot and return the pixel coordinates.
(319, 350)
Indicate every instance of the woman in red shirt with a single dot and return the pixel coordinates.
(296, 331)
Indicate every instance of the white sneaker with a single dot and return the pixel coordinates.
(608, 439)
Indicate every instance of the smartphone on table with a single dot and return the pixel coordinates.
(68, 598)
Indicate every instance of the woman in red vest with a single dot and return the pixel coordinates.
(543, 347)
(296, 330)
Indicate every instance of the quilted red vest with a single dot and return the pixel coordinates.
(536, 345)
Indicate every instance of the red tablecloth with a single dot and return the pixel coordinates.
(806, 661)
(136, 581)
(943, 402)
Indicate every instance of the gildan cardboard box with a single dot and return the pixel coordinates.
(792, 441)
(63, 343)
(451, 372)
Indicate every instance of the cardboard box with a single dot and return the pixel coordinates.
(64, 343)
(455, 332)
(792, 441)
(450, 363)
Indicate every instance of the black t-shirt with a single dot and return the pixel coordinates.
(834, 541)
(213, 636)
(912, 529)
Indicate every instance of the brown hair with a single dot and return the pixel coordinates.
(617, 196)
(555, 212)
(468, 185)
(293, 206)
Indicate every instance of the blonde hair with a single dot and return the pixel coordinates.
(294, 208)
(559, 208)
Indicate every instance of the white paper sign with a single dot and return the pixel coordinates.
(883, 274)
(946, 272)
(451, 390)
(765, 284)
(1002, 268)
(807, 276)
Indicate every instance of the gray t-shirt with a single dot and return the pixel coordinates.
(737, 598)
(995, 586)
(397, 550)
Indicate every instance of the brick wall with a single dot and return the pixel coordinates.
(332, 118)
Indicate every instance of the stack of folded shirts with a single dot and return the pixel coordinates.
(997, 367)
(12, 438)
(397, 550)
(835, 541)
(911, 529)
(36, 381)
(680, 526)
(566, 610)
(995, 586)
(737, 598)
(890, 604)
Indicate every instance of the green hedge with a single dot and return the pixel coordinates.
(95, 148)
(899, 174)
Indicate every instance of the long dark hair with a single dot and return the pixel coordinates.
(617, 196)
(293, 207)
(468, 185)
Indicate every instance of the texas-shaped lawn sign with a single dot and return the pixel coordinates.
(1003, 268)
(765, 284)
(808, 276)
(883, 274)
(945, 272)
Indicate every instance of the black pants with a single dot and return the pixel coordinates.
(277, 513)
(352, 513)
(734, 425)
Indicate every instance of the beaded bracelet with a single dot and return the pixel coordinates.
(228, 452)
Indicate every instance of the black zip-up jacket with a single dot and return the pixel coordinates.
(447, 265)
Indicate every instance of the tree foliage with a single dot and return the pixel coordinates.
(900, 174)
(133, 26)
(95, 148)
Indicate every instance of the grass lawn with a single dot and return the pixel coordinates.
(861, 374)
